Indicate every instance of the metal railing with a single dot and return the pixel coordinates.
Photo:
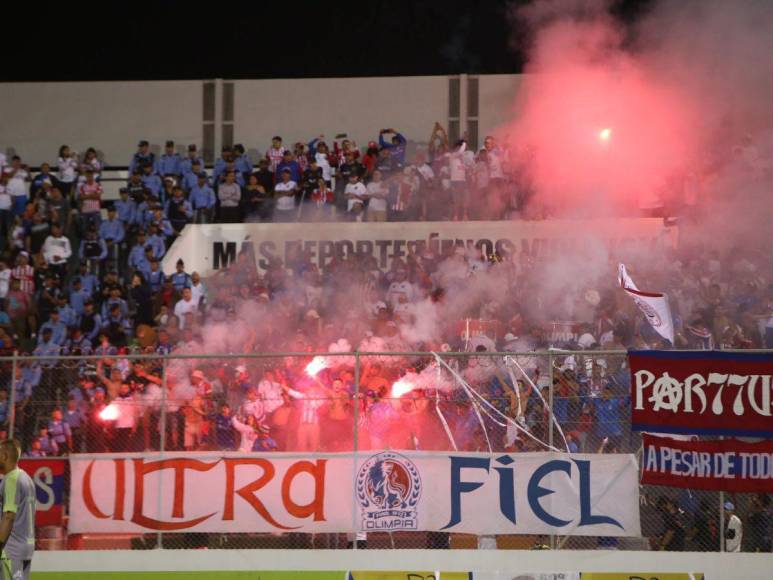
(549, 396)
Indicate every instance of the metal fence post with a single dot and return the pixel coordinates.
(12, 425)
(162, 447)
(550, 423)
(721, 517)
(721, 521)
(355, 445)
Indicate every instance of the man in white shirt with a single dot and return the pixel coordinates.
(5, 279)
(401, 293)
(18, 176)
(458, 174)
(57, 250)
(6, 211)
(270, 392)
(377, 194)
(198, 289)
(356, 194)
(285, 191)
(184, 306)
(733, 529)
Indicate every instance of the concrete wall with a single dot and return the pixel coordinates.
(490, 564)
(111, 116)
(498, 97)
(299, 110)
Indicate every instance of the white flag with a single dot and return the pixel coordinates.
(654, 305)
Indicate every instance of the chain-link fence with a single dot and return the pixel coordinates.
(307, 405)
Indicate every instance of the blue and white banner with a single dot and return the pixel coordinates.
(476, 493)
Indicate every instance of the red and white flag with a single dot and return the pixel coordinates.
(654, 305)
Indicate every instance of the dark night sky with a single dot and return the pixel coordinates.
(164, 39)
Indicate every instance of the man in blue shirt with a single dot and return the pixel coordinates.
(156, 242)
(89, 282)
(137, 257)
(143, 156)
(186, 165)
(159, 220)
(67, 313)
(78, 296)
(396, 147)
(170, 163)
(47, 347)
(221, 164)
(151, 181)
(156, 276)
(242, 162)
(113, 232)
(114, 300)
(202, 199)
(125, 208)
(181, 279)
(56, 327)
(291, 165)
(190, 179)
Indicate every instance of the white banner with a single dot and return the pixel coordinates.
(522, 493)
(204, 248)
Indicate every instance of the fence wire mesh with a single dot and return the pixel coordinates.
(576, 402)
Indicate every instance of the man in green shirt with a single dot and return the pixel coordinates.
(17, 526)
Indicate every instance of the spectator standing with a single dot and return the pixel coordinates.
(285, 192)
(178, 211)
(187, 165)
(759, 524)
(45, 176)
(170, 164)
(6, 212)
(256, 201)
(90, 198)
(144, 156)
(93, 252)
(290, 164)
(59, 431)
(458, 176)
(152, 182)
(91, 163)
(67, 165)
(733, 529)
(125, 208)
(57, 251)
(395, 147)
(113, 232)
(75, 419)
(355, 194)
(230, 194)
(275, 154)
(377, 193)
(18, 177)
(673, 534)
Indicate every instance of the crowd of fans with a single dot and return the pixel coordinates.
(79, 276)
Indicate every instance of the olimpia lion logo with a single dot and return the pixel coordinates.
(388, 491)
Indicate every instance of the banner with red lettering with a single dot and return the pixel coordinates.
(726, 465)
(703, 392)
(529, 493)
(48, 476)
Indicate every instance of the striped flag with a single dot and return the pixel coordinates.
(654, 305)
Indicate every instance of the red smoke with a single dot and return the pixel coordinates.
(597, 129)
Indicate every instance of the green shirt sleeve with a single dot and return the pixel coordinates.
(9, 492)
